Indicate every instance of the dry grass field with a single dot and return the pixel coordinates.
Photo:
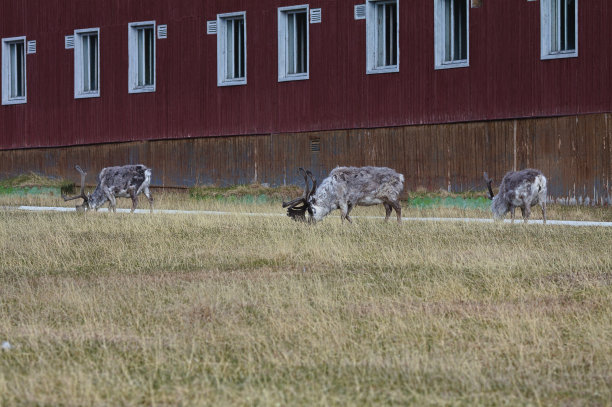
(119, 309)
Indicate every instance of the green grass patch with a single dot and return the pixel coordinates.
(33, 183)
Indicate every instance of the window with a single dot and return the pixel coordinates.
(87, 63)
(559, 23)
(382, 30)
(293, 43)
(13, 71)
(451, 21)
(231, 49)
(141, 50)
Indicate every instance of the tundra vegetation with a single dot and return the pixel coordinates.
(119, 309)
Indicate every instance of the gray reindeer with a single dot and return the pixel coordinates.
(126, 181)
(345, 188)
(518, 189)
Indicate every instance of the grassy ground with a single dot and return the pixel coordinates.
(255, 198)
(115, 309)
(33, 179)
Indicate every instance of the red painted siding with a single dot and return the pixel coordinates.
(505, 79)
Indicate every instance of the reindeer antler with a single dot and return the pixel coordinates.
(82, 193)
(306, 194)
(606, 198)
(489, 182)
(314, 184)
(295, 212)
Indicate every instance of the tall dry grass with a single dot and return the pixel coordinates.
(232, 201)
(106, 309)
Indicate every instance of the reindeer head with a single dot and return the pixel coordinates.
(85, 205)
(296, 211)
(499, 207)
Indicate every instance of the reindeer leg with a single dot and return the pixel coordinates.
(512, 209)
(398, 210)
(112, 205)
(526, 213)
(149, 197)
(134, 197)
(344, 208)
(388, 211)
(543, 206)
(348, 210)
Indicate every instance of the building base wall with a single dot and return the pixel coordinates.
(573, 152)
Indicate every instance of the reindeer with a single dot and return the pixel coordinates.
(518, 189)
(346, 187)
(125, 181)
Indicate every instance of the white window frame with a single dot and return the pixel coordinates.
(222, 79)
(79, 84)
(6, 69)
(440, 37)
(545, 33)
(133, 86)
(283, 39)
(372, 38)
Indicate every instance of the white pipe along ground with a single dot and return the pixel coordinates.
(175, 211)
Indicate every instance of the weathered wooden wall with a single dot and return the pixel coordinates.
(573, 151)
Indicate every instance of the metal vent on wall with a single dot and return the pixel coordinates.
(162, 32)
(31, 47)
(360, 11)
(315, 15)
(69, 42)
(315, 145)
(211, 27)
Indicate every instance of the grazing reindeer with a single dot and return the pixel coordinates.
(346, 187)
(125, 181)
(518, 189)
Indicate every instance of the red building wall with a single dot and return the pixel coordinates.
(506, 77)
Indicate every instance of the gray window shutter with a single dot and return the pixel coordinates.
(315, 15)
(360, 11)
(162, 32)
(31, 47)
(211, 27)
(69, 42)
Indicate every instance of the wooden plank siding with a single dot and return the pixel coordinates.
(506, 78)
(573, 152)
(441, 128)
